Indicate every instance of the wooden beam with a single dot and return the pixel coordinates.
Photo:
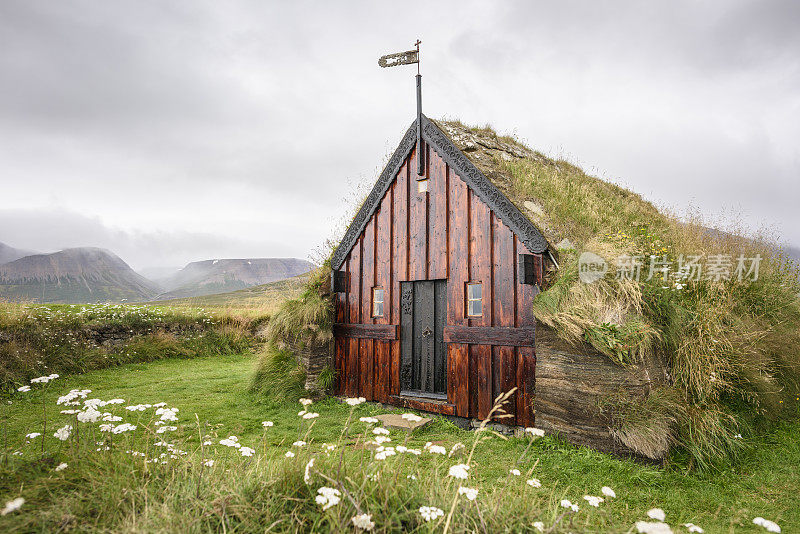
(423, 404)
(490, 335)
(384, 332)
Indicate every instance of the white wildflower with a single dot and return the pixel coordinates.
(24, 389)
(538, 525)
(691, 527)
(515, 472)
(63, 433)
(372, 420)
(401, 448)
(61, 466)
(430, 513)
(208, 463)
(415, 452)
(111, 417)
(469, 493)
(33, 435)
(536, 432)
(770, 526)
(247, 451)
(534, 483)
(299, 443)
(124, 427)
(305, 402)
(89, 415)
(207, 443)
(310, 415)
(437, 449)
(593, 501)
(70, 412)
(307, 475)
(653, 527)
(301, 413)
(230, 441)
(382, 455)
(411, 477)
(363, 521)
(355, 401)
(382, 439)
(289, 454)
(115, 401)
(13, 506)
(459, 471)
(656, 513)
(168, 414)
(380, 430)
(166, 428)
(267, 424)
(565, 503)
(608, 492)
(328, 497)
(411, 417)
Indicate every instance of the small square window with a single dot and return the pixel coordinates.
(422, 186)
(474, 300)
(377, 302)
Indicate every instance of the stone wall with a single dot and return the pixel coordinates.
(313, 359)
(573, 381)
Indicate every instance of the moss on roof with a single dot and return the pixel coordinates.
(558, 197)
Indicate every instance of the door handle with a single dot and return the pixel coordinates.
(427, 332)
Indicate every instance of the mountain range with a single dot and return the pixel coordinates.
(86, 275)
(74, 275)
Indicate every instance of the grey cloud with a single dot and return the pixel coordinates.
(239, 126)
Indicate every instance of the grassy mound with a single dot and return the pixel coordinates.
(733, 346)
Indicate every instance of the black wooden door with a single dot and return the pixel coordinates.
(423, 368)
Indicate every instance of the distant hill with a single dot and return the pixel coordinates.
(75, 275)
(8, 254)
(263, 298)
(222, 276)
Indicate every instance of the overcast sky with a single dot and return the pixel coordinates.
(176, 131)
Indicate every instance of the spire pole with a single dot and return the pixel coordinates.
(420, 148)
(408, 58)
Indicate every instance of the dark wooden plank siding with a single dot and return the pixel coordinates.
(526, 355)
(458, 361)
(354, 316)
(480, 247)
(446, 233)
(367, 350)
(437, 202)
(417, 226)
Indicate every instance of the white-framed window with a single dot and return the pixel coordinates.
(474, 299)
(422, 186)
(377, 301)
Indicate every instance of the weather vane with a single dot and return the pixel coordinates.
(410, 57)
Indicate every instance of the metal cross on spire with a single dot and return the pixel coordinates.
(410, 57)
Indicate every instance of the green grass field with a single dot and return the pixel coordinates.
(113, 491)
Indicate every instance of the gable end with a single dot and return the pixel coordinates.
(464, 168)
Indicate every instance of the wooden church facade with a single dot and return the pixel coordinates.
(434, 284)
